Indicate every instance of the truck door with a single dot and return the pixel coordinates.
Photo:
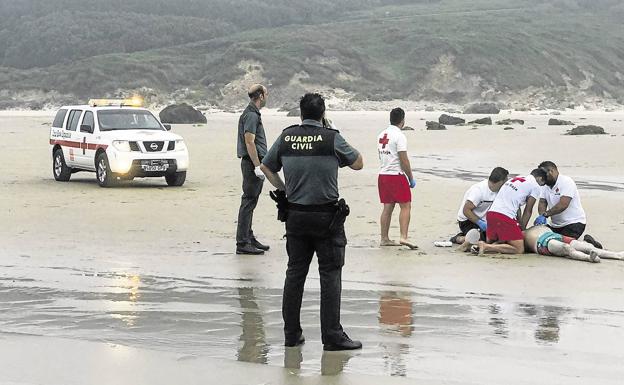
(71, 147)
(87, 144)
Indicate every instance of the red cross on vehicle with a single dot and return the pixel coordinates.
(83, 146)
(384, 141)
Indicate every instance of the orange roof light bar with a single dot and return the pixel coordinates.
(135, 101)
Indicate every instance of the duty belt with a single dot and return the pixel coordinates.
(325, 208)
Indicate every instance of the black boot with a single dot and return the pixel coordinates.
(255, 243)
(345, 343)
(248, 249)
(297, 342)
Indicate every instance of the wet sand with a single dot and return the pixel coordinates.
(150, 267)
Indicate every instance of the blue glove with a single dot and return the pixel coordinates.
(482, 224)
(412, 183)
(541, 220)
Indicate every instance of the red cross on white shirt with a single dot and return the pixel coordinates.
(384, 141)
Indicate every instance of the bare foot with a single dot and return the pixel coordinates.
(464, 247)
(407, 243)
(388, 242)
(593, 256)
(482, 246)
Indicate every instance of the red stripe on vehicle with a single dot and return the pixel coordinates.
(66, 143)
(69, 143)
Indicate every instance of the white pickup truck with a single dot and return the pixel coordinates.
(116, 140)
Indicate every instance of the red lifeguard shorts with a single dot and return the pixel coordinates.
(394, 189)
(502, 228)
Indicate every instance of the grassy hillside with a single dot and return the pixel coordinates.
(559, 51)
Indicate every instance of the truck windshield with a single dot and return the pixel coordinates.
(127, 120)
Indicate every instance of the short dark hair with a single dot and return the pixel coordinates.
(538, 172)
(499, 174)
(397, 115)
(547, 165)
(312, 106)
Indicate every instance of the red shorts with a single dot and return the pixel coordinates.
(502, 228)
(394, 189)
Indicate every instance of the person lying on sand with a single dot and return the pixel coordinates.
(543, 241)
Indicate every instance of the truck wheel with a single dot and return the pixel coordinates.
(61, 172)
(103, 172)
(176, 179)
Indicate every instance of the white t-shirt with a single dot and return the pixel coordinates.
(564, 186)
(389, 143)
(481, 196)
(514, 194)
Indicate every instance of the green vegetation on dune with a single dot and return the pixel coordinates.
(447, 50)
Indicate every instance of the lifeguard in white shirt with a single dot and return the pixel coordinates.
(395, 178)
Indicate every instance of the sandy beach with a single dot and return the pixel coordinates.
(152, 268)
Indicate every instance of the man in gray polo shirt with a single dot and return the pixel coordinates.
(310, 155)
(251, 148)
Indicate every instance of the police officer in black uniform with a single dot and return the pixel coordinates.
(310, 155)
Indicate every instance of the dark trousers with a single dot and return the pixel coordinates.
(573, 230)
(307, 233)
(467, 225)
(252, 187)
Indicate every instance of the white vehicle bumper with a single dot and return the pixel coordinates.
(130, 162)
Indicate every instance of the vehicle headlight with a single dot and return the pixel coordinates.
(122, 145)
(180, 145)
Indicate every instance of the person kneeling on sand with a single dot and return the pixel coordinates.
(504, 222)
(543, 241)
(395, 178)
(476, 202)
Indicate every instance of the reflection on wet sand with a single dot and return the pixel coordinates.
(254, 349)
(548, 321)
(132, 284)
(204, 318)
(395, 315)
(395, 312)
(497, 321)
(293, 358)
(333, 363)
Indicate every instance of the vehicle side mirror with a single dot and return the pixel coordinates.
(86, 128)
(167, 127)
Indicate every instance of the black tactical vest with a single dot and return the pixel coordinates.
(307, 140)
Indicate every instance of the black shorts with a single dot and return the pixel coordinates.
(467, 225)
(573, 230)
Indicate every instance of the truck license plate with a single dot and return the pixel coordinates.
(149, 168)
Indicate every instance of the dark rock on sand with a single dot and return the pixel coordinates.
(181, 114)
(531, 128)
(559, 122)
(486, 121)
(508, 128)
(407, 128)
(482, 108)
(507, 122)
(587, 130)
(294, 112)
(450, 120)
(435, 126)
